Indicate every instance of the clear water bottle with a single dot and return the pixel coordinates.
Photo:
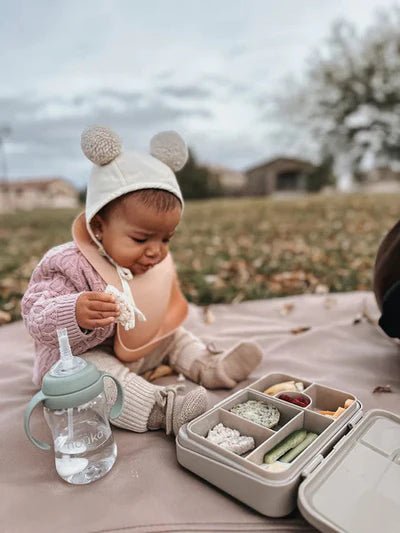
(76, 412)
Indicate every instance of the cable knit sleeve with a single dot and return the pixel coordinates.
(50, 300)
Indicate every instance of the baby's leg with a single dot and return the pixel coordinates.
(146, 406)
(210, 367)
(139, 394)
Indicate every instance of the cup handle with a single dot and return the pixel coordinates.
(119, 402)
(36, 400)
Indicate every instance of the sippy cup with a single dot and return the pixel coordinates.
(76, 411)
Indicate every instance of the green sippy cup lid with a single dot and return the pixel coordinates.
(71, 378)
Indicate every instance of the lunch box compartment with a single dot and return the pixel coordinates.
(328, 399)
(305, 420)
(287, 410)
(200, 428)
(273, 379)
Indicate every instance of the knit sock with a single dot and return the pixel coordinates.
(238, 362)
(171, 411)
(210, 367)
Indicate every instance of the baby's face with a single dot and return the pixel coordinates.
(137, 236)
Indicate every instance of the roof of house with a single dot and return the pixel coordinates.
(281, 160)
(228, 176)
(40, 184)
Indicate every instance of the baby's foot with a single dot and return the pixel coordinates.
(217, 369)
(172, 411)
(238, 362)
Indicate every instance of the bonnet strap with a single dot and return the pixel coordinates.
(125, 275)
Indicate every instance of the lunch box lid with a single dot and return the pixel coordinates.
(356, 487)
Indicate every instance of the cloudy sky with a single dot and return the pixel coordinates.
(207, 69)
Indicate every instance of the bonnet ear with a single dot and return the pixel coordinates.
(100, 144)
(170, 148)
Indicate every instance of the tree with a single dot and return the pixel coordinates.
(82, 195)
(321, 176)
(349, 104)
(197, 181)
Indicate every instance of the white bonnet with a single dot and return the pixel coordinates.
(116, 171)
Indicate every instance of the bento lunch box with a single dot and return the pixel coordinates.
(347, 479)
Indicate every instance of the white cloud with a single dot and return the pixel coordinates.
(207, 69)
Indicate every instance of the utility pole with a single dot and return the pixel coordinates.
(5, 131)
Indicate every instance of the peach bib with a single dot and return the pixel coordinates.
(156, 293)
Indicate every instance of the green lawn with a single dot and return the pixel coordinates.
(234, 249)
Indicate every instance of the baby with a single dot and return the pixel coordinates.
(119, 253)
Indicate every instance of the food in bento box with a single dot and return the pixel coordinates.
(285, 386)
(287, 450)
(287, 444)
(297, 399)
(258, 412)
(339, 410)
(230, 439)
(276, 467)
(294, 452)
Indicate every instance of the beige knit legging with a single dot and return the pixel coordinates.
(183, 351)
(138, 393)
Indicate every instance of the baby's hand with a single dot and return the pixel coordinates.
(96, 310)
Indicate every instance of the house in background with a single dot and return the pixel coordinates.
(233, 182)
(281, 174)
(37, 193)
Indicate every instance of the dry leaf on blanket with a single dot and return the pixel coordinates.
(321, 289)
(208, 315)
(4, 317)
(159, 372)
(238, 298)
(365, 316)
(329, 302)
(301, 329)
(382, 388)
(286, 309)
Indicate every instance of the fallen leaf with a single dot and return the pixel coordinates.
(321, 289)
(286, 309)
(329, 302)
(301, 329)
(9, 306)
(4, 317)
(238, 298)
(366, 314)
(208, 315)
(382, 388)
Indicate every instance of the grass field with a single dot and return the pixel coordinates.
(233, 249)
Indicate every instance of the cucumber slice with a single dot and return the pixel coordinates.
(294, 452)
(291, 441)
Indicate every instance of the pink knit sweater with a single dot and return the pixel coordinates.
(49, 304)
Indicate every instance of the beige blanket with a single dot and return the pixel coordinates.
(147, 490)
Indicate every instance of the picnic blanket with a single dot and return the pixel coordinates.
(331, 339)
